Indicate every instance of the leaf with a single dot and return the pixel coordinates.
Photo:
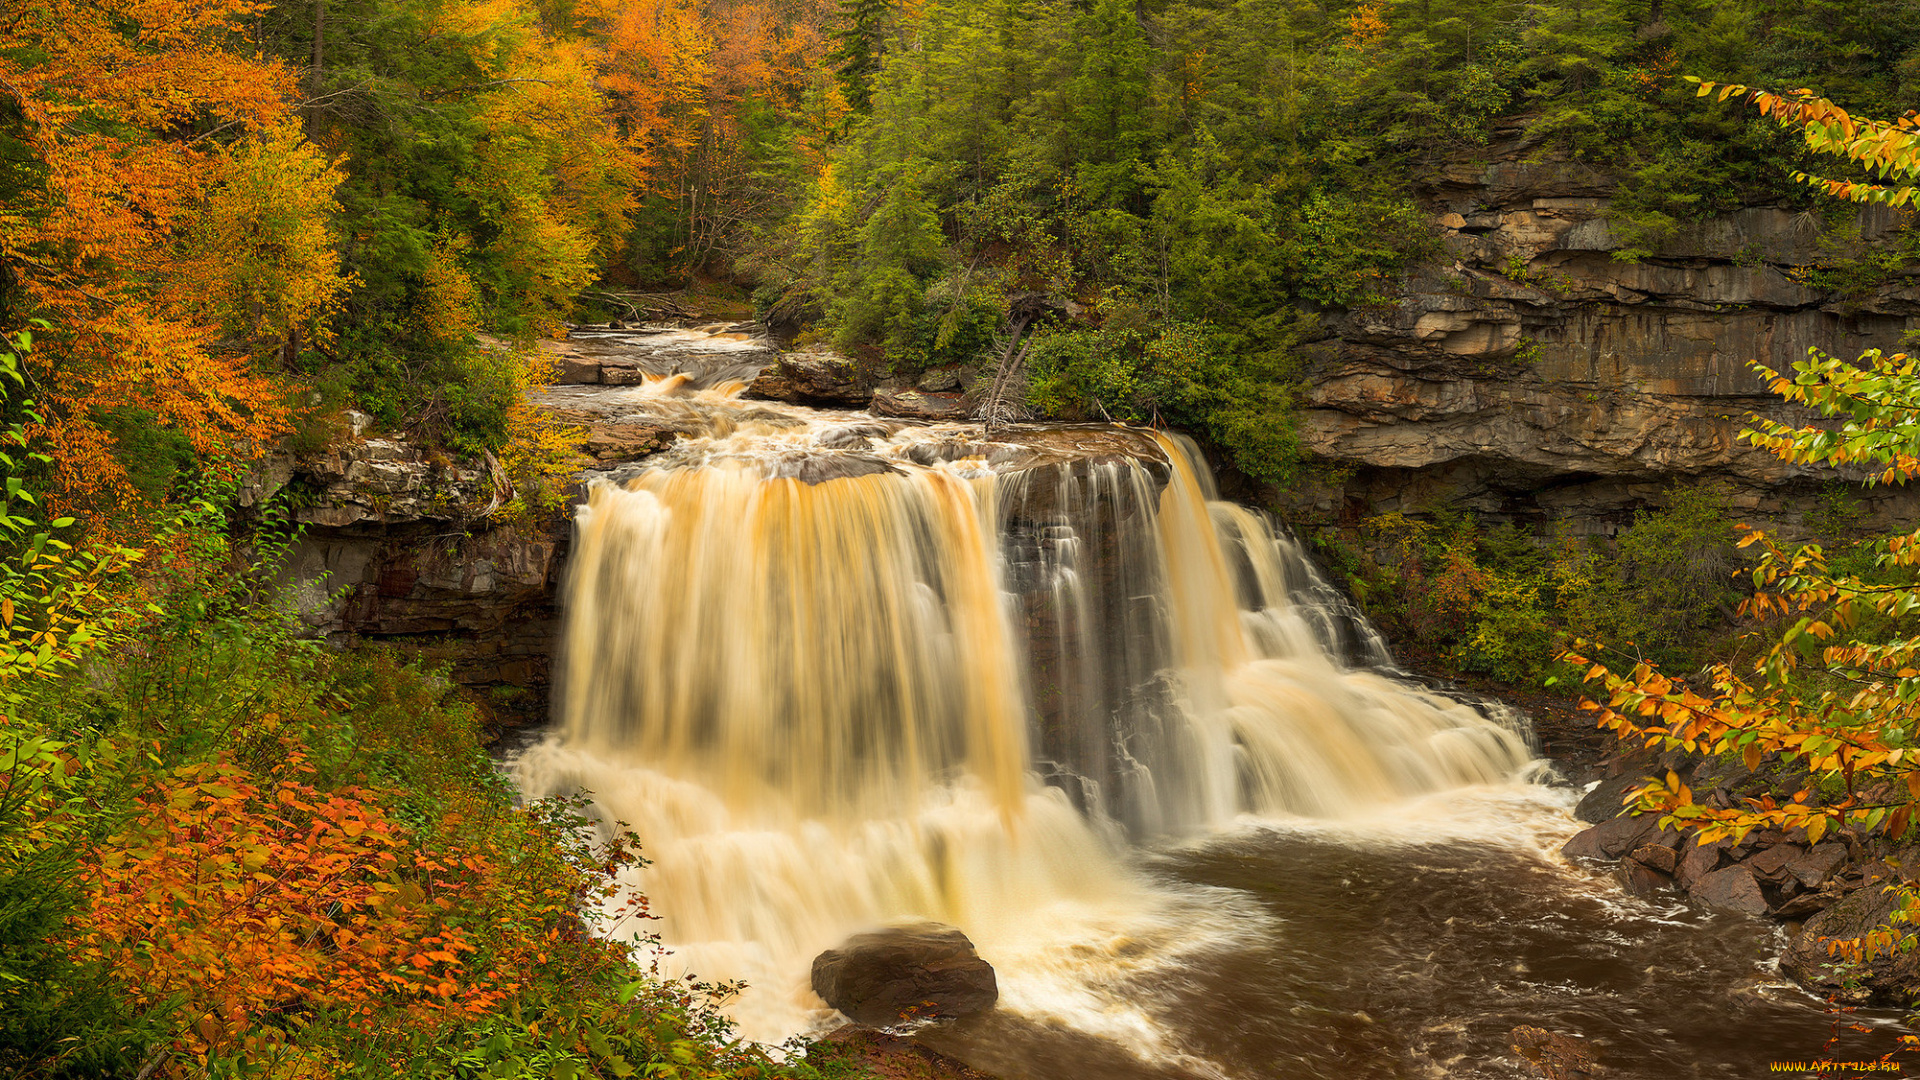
(1816, 828)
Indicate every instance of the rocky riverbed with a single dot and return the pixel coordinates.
(1819, 893)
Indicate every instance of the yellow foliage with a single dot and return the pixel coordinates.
(542, 457)
(1367, 26)
(451, 308)
(139, 243)
(256, 257)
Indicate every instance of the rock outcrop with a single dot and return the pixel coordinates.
(401, 545)
(1528, 374)
(905, 974)
(814, 379)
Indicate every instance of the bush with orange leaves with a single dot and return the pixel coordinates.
(277, 861)
(242, 901)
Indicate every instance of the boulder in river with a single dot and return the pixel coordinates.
(814, 379)
(919, 404)
(1640, 879)
(905, 973)
(1608, 798)
(1554, 1056)
(1731, 889)
(572, 369)
(1658, 857)
(1615, 837)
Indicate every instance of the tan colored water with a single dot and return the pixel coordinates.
(951, 678)
(838, 671)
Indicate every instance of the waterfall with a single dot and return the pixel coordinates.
(839, 675)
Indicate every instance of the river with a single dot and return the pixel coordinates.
(1043, 685)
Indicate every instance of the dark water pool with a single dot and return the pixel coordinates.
(1415, 959)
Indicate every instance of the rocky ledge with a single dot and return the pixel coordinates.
(402, 545)
(1530, 374)
(1832, 890)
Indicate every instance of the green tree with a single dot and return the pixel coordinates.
(860, 48)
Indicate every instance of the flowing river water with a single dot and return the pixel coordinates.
(1043, 685)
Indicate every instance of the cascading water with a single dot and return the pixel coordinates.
(839, 672)
(839, 675)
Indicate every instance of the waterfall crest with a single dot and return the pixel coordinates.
(837, 675)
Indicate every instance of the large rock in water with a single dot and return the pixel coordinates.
(1607, 800)
(904, 973)
(919, 404)
(813, 379)
(1554, 1056)
(1616, 837)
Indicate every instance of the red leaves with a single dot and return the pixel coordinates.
(256, 895)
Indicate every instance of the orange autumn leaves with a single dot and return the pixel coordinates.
(169, 262)
(683, 76)
(172, 222)
(247, 903)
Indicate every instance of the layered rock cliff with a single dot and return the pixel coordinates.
(1530, 374)
(403, 546)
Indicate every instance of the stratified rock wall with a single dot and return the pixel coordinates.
(402, 546)
(1531, 375)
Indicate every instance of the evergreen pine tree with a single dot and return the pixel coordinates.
(859, 48)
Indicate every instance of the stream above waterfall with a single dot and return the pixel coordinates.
(1040, 683)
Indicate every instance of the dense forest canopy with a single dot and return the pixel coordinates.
(238, 218)
(1202, 178)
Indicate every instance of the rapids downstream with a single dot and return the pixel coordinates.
(1043, 685)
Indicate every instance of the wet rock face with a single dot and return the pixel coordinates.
(482, 603)
(1528, 374)
(903, 974)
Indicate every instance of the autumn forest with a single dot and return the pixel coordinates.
(230, 228)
